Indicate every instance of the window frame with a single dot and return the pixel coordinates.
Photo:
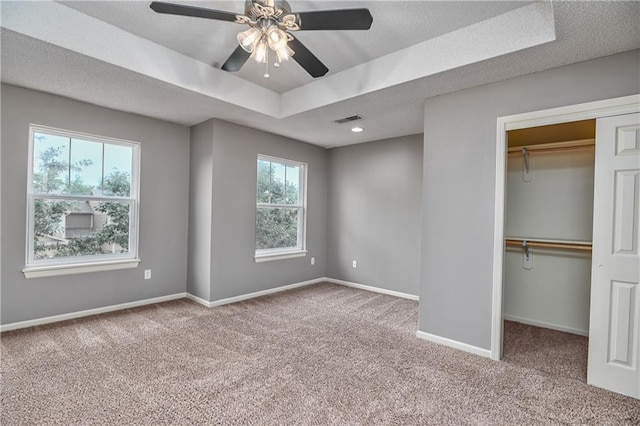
(36, 268)
(300, 250)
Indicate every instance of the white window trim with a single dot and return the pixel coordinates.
(70, 269)
(66, 266)
(267, 255)
(259, 258)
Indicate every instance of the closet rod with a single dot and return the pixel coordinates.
(555, 146)
(547, 244)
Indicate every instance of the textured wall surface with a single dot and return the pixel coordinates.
(233, 216)
(164, 188)
(374, 213)
(459, 184)
(200, 204)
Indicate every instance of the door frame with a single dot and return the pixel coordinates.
(565, 114)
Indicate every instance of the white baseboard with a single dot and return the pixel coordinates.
(261, 293)
(374, 289)
(543, 324)
(247, 296)
(201, 301)
(88, 312)
(454, 344)
(198, 300)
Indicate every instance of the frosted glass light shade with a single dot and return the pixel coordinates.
(284, 53)
(276, 38)
(260, 52)
(248, 38)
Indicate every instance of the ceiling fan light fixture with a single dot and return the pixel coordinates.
(261, 51)
(249, 38)
(284, 53)
(270, 24)
(276, 37)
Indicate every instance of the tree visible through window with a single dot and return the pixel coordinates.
(280, 212)
(82, 198)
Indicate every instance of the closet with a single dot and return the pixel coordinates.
(548, 236)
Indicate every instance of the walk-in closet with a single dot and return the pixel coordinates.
(548, 236)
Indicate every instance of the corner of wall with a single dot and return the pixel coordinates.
(200, 209)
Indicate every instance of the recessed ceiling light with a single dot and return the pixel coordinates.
(357, 129)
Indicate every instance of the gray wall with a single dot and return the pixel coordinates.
(374, 213)
(459, 184)
(200, 205)
(233, 268)
(163, 208)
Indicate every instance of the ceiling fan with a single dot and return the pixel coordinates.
(270, 25)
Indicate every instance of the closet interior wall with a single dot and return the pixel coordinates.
(553, 201)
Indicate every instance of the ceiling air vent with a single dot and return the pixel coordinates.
(349, 119)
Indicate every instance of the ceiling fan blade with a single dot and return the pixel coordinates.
(198, 12)
(342, 19)
(236, 60)
(307, 60)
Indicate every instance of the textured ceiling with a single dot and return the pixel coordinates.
(396, 25)
(584, 30)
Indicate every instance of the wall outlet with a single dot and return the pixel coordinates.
(147, 274)
(313, 260)
(355, 264)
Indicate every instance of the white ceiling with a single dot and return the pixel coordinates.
(383, 75)
(396, 25)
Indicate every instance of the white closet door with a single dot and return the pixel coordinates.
(614, 330)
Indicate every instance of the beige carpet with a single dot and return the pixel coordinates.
(323, 354)
(554, 352)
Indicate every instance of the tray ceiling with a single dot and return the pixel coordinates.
(123, 56)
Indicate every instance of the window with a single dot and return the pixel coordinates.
(82, 198)
(280, 209)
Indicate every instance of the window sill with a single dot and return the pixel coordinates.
(280, 256)
(79, 268)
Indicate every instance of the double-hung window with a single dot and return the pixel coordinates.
(82, 203)
(280, 209)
